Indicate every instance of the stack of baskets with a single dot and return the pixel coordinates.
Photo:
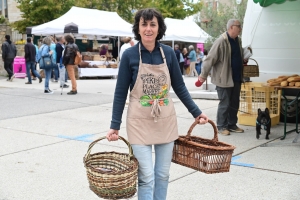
(208, 156)
(111, 175)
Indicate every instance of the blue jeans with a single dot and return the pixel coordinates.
(47, 77)
(55, 73)
(30, 66)
(198, 67)
(153, 183)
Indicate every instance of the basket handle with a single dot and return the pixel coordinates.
(254, 61)
(87, 155)
(215, 139)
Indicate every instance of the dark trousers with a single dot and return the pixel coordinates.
(181, 67)
(8, 66)
(228, 106)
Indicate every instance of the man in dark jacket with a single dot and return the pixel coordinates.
(30, 53)
(9, 52)
(61, 68)
(177, 52)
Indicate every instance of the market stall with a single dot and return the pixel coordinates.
(95, 25)
(184, 31)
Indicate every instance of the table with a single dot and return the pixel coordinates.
(94, 72)
(295, 100)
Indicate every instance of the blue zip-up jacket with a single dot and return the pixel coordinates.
(43, 51)
(53, 49)
(192, 56)
(128, 71)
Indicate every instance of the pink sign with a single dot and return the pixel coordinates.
(19, 67)
(200, 46)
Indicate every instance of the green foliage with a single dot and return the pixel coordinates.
(177, 9)
(36, 12)
(213, 21)
(2, 19)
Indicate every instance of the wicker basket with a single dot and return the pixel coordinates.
(251, 70)
(111, 175)
(208, 156)
(113, 63)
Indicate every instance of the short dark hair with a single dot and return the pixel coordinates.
(148, 14)
(7, 37)
(29, 39)
(69, 38)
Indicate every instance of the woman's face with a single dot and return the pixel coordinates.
(184, 50)
(148, 30)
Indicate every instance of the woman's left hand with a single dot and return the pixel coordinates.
(203, 119)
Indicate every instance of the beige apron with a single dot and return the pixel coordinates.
(151, 117)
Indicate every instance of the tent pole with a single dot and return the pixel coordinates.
(118, 49)
(173, 44)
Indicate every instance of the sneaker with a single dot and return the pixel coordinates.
(48, 91)
(224, 131)
(55, 81)
(12, 78)
(34, 79)
(40, 79)
(65, 86)
(236, 129)
(28, 83)
(72, 92)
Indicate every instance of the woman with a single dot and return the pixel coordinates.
(68, 60)
(193, 59)
(186, 64)
(103, 50)
(148, 69)
(54, 73)
(44, 50)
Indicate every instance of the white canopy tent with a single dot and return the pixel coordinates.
(185, 31)
(90, 22)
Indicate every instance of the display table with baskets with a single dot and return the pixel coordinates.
(98, 69)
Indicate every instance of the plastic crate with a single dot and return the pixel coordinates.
(254, 96)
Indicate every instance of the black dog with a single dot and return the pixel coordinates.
(263, 119)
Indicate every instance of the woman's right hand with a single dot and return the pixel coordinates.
(112, 135)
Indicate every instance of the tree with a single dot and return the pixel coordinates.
(213, 21)
(177, 9)
(36, 12)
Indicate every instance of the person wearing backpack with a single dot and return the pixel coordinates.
(70, 52)
(9, 52)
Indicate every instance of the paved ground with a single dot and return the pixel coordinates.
(43, 139)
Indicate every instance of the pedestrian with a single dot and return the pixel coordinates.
(128, 42)
(148, 69)
(181, 63)
(36, 60)
(54, 73)
(68, 60)
(199, 55)
(177, 53)
(226, 59)
(61, 68)
(44, 50)
(30, 58)
(193, 59)
(186, 64)
(9, 52)
(103, 50)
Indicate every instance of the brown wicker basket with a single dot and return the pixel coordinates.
(111, 175)
(208, 156)
(251, 70)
